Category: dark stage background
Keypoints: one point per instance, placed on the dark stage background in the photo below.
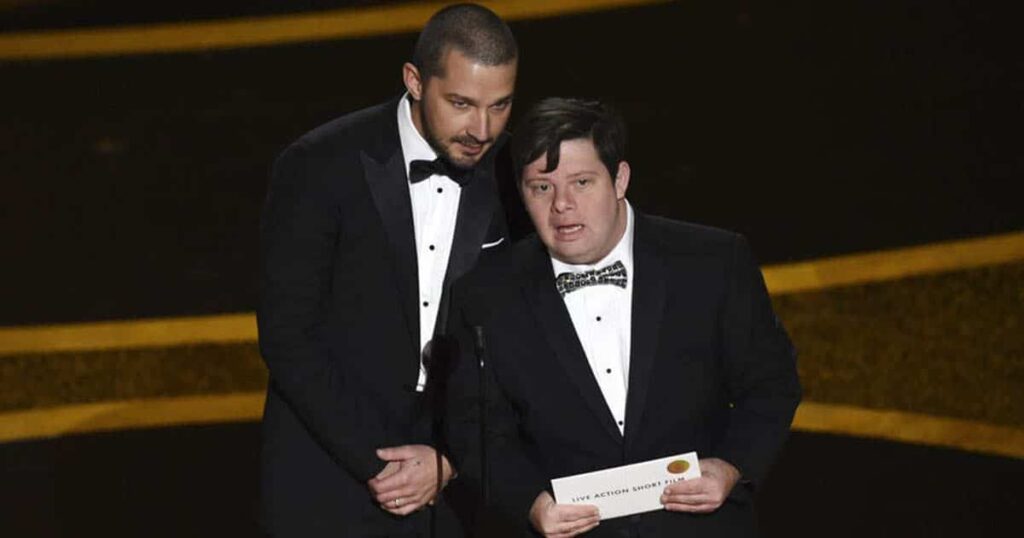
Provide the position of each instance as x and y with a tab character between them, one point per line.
132	188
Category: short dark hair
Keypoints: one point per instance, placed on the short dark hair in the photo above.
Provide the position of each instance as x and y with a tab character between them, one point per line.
474	30
557	119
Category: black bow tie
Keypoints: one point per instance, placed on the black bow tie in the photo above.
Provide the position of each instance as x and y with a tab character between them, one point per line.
420	170
614	274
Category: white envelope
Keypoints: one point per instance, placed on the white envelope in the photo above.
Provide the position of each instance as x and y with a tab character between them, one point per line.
629	489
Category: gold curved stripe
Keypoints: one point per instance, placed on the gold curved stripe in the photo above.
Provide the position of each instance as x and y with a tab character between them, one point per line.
894	264
781	279
898	426
904	427
130	414
164	332
264	31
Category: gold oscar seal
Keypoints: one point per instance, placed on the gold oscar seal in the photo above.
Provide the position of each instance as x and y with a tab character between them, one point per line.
678	466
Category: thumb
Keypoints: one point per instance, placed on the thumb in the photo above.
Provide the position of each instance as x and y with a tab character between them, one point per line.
395	453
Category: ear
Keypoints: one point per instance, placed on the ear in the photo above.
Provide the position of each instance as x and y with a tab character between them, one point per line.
621	180
413	82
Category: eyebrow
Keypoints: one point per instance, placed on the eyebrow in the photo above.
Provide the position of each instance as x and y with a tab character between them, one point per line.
503	100
470	100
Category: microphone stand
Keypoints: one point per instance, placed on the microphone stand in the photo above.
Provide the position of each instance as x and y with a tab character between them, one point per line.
483	524
481	356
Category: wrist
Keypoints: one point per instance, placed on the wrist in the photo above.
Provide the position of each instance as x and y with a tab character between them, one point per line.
448	471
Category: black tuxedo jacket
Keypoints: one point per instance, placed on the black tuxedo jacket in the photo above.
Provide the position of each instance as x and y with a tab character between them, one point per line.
711	370
339	321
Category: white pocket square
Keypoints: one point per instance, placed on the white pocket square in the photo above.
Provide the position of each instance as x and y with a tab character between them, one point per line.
491	245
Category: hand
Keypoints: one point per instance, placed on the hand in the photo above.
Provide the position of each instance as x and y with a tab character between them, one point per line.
409	480
562	520
704	494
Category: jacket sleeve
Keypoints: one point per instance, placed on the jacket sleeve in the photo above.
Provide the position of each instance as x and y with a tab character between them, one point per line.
299	229
760	367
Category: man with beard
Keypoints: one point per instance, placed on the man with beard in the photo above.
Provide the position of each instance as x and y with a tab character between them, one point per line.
367	220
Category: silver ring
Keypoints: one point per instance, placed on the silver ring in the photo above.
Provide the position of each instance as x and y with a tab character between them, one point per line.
397	502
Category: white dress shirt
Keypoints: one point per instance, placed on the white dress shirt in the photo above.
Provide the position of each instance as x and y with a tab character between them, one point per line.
435	207
602	316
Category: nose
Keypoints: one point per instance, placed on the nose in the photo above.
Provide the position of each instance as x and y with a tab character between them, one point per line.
564	201
480	126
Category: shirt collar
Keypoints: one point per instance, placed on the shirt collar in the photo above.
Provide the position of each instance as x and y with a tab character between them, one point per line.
414	146
623	252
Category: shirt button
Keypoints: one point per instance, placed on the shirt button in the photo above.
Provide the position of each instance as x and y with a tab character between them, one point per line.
439	190
598	318
608	371
425	303
620	423
431	247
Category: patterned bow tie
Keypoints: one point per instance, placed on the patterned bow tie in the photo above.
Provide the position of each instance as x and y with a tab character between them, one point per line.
614	274
420	170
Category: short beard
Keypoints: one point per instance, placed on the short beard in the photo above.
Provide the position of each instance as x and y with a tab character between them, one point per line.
439	148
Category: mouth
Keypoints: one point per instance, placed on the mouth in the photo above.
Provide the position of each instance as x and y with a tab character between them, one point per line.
568	232
470	146
471	149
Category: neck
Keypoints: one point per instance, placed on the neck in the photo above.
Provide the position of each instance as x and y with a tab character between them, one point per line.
416	112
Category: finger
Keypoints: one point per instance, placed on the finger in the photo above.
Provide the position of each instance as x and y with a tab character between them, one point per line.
576	527
385	486
560	534
401	479
406	509
403	495
691	500
387	471
415	488
410	489
417	498
695	485
401	512
570	525
702	508
573	512
399	490
396	453
589	527
575	523
390	490
422	481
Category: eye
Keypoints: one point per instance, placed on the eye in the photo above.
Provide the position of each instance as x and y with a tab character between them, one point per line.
540	188
583	181
459	104
502	106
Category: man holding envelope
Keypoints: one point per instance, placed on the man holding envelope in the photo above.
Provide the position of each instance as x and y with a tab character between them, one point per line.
610	339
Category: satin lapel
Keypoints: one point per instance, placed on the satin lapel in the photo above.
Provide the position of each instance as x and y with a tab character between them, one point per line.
649	282
476	206
388	185
557	327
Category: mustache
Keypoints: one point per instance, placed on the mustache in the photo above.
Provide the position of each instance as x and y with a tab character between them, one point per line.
469	140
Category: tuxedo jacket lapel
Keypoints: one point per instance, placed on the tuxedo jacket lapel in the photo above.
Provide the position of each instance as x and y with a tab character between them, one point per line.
384	167
556	325
476	207
649	288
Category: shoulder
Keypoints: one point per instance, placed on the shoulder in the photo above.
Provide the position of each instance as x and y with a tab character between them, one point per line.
687	238
346	135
